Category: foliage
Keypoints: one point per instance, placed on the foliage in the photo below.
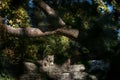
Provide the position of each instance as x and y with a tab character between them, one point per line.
6	78
95	20
16	15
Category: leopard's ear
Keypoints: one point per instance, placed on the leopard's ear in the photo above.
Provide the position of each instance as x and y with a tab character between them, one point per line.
67	63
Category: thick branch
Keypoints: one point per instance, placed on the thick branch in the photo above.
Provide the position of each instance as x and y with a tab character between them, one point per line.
30	32
54	18
36	32
71	33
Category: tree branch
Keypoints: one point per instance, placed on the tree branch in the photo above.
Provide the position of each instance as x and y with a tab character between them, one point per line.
50	13
71	33
36	32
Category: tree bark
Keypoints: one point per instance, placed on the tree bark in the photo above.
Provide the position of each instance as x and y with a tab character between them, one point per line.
50	13
36	32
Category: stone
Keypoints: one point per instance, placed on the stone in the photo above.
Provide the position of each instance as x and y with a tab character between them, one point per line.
65	76
74	68
29	67
79	75
47	68
31	76
93	77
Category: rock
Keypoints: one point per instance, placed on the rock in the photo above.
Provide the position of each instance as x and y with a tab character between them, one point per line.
29	67
65	76
79	75
74	68
31	76
98	68
64	72
98	65
47	68
92	77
